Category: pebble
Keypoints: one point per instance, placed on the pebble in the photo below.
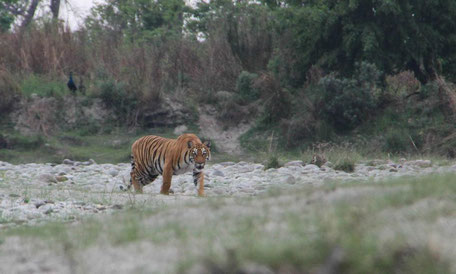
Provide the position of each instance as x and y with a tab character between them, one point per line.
61	178
19	205
420	163
217	172
311	168
294	163
48	178
68	162
113	172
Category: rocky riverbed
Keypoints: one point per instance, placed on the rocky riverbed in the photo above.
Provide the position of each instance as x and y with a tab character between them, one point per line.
36	193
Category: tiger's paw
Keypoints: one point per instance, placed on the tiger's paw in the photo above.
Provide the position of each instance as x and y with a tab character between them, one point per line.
170	191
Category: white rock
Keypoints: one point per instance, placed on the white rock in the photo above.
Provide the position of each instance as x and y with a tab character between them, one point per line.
217	172
47	178
294	163
179	130
311	167
419	163
68	162
289	180
113	172
227	164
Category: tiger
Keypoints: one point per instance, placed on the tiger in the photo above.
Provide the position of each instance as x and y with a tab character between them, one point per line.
154	155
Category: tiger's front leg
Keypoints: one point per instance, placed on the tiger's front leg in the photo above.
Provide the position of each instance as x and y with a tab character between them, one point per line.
167	175
198	177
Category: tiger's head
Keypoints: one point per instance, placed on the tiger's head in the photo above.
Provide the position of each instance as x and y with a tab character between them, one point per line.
199	153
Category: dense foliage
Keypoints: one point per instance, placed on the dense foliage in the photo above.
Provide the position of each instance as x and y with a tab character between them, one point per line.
308	71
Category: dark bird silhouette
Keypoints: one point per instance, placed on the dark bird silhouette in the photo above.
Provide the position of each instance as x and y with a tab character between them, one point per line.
71	84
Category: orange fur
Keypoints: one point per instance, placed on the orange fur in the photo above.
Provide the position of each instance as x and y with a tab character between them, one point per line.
154	155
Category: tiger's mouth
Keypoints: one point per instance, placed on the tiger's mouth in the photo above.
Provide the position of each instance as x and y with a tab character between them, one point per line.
199	166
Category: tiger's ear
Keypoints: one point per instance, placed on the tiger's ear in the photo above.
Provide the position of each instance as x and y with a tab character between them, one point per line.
207	143
190	144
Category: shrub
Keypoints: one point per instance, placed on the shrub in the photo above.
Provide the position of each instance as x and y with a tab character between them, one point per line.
277	101
43	86
20	142
401	85
116	97
397	141
345	164
346	103
272	162
9	91
244	87
231	113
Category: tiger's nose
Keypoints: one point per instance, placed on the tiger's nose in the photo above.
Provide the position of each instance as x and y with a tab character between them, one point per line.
199	165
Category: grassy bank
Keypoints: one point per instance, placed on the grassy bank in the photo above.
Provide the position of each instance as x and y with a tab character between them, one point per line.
403	225
114	147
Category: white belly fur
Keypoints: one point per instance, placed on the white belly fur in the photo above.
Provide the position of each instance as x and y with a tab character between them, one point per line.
184	169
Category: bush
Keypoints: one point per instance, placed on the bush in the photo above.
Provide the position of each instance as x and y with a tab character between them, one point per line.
244	87
401	85
43	86
115	96
277	101
272	162
9	91
345	164
231	113
349	102
397	141
20	142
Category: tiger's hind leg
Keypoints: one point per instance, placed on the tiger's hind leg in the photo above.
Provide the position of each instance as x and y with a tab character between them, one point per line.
135	179
136	182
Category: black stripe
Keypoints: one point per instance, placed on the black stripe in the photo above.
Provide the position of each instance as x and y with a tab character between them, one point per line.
196	175
185	157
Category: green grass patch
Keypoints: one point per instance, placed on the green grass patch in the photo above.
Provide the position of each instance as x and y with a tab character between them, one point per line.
306	230
114	147
43	86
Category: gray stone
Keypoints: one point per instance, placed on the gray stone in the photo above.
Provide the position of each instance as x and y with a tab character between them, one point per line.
419	163
113	172
294	163
61	178
217	172
225	164
179	130
38	204
328	164
68	162
47	178
47	208
289	180
117	206
311	167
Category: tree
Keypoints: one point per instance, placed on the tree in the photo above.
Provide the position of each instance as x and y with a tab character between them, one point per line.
243	25
12	9
139	19
7	14
415	35
55	8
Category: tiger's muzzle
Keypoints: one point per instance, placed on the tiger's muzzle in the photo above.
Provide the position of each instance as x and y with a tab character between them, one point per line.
199	165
